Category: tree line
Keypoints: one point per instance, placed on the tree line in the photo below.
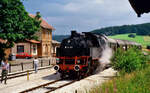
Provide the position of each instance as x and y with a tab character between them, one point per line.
140	29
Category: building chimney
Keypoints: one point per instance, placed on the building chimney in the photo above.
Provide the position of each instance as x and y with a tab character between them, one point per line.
38	16
37	13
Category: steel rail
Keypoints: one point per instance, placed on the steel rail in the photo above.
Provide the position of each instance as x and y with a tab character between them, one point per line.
55	88
40	86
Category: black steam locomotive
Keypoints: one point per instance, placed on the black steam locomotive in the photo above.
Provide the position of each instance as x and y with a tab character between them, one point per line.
78	55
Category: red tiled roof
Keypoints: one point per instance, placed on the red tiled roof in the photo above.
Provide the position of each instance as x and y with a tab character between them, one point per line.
33	41
3	41
44	24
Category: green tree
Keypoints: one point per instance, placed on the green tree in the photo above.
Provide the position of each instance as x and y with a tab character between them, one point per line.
15	24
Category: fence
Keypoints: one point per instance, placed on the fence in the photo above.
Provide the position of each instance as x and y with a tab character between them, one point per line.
30	65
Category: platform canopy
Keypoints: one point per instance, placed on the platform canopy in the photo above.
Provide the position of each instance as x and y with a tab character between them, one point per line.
140	6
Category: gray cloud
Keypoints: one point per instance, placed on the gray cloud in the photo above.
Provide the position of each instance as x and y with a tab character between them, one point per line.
85	15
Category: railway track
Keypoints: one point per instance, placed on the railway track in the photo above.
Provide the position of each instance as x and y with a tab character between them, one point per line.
23	73
49	87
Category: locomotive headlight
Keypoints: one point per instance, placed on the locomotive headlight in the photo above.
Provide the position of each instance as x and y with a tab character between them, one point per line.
76	67
57	60
56	67
78	61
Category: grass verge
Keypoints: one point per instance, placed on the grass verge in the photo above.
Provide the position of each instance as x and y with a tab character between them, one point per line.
135	82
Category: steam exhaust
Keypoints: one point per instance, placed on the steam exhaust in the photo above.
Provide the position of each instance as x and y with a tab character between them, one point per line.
104	60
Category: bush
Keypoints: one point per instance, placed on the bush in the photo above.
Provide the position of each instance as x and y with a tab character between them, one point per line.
131	35
129	60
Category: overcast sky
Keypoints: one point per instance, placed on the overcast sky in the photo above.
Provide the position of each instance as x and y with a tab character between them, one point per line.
84	15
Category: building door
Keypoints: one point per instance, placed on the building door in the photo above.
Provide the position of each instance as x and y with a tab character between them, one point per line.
34	49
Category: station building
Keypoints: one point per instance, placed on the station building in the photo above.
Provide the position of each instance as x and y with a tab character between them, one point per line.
40	48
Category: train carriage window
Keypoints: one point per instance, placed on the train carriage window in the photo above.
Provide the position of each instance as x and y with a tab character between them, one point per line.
113	46
118	45
126	47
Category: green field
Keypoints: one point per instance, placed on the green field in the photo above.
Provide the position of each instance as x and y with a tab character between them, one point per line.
144	40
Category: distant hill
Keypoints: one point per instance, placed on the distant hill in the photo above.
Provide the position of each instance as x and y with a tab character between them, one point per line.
140	29
60	37
144	40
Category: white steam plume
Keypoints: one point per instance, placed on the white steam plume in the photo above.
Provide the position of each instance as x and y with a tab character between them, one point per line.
104	60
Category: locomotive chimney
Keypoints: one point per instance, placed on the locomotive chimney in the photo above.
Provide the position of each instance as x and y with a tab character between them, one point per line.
73	33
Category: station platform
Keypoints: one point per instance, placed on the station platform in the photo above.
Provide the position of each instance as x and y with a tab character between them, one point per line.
19	84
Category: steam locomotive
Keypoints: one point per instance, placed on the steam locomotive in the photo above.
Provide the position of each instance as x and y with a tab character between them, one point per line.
78	56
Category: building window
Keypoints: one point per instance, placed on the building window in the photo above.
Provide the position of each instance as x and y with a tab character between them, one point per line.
34	49
44	34
47	34
20	48
46	50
